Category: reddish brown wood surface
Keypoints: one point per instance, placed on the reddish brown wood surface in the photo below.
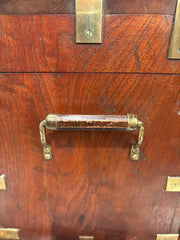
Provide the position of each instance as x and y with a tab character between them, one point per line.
131	43
140	6
116	122
37	6
67	6
90	187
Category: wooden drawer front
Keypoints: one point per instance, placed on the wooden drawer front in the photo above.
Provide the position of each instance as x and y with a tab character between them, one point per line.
131	43
66	7
90	187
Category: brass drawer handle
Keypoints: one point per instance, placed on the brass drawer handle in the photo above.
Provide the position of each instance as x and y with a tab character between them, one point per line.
127	122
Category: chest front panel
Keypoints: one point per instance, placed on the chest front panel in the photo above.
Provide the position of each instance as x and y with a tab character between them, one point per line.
90	187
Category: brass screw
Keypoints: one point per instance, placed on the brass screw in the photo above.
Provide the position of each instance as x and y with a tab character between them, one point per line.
89	33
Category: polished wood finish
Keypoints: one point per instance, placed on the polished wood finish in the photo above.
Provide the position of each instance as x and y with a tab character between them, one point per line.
67	6
92	121
140	6
36	6
90	187
132	43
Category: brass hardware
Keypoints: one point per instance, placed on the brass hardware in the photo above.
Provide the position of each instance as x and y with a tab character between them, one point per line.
89	21
2	182
127	122
132	121
173	184
47	152
174	50
135	149
9	233
167	236
86	238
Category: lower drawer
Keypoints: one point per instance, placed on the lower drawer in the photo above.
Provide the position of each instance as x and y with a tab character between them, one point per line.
90	187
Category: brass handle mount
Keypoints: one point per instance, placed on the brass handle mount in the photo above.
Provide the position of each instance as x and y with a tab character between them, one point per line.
127	122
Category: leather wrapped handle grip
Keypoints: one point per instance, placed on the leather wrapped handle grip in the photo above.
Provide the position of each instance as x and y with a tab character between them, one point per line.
127	122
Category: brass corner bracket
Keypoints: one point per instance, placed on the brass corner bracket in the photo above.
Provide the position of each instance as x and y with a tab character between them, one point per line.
173	184
86	237
127	122
9	233
2	182
167	236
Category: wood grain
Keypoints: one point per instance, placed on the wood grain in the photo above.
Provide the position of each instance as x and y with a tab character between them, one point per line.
132	43
67	7
140	6
114	122
90	187
36	6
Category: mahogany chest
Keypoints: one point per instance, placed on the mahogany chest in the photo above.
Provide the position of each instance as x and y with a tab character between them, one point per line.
90	187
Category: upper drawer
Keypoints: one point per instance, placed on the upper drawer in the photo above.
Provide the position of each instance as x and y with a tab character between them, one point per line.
67	6
46	43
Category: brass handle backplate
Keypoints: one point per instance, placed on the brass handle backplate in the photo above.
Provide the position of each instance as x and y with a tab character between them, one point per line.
127	122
